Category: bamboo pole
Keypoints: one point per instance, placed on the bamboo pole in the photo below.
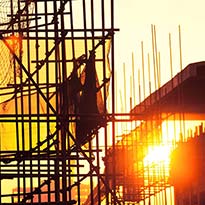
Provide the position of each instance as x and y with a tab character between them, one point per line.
149	74
171	73
133	75
170	55
156	56
125	93
153	56
143	74
139	86
159	69
133	84
131	92
181	90
180	47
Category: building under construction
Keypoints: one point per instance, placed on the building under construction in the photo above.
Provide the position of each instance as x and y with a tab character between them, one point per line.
58	136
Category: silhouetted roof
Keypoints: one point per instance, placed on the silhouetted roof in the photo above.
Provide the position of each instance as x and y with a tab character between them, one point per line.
183	93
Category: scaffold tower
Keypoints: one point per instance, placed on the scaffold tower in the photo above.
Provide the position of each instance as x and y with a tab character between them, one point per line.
54	77
59	141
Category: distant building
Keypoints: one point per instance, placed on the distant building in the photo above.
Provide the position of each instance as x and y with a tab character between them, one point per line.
188	172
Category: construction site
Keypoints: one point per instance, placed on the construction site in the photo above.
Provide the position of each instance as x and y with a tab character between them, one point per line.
59	126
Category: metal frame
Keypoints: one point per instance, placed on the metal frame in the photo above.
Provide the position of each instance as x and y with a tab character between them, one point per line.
47	163
53	164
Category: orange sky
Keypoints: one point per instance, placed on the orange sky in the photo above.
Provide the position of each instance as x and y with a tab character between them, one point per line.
134	18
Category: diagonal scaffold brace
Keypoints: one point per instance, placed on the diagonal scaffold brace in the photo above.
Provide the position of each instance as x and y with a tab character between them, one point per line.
55	112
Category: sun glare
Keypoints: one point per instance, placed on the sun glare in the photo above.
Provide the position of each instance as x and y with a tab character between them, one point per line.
158	154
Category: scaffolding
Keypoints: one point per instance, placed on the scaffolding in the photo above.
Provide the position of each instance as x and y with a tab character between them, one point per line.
54	85
58	134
